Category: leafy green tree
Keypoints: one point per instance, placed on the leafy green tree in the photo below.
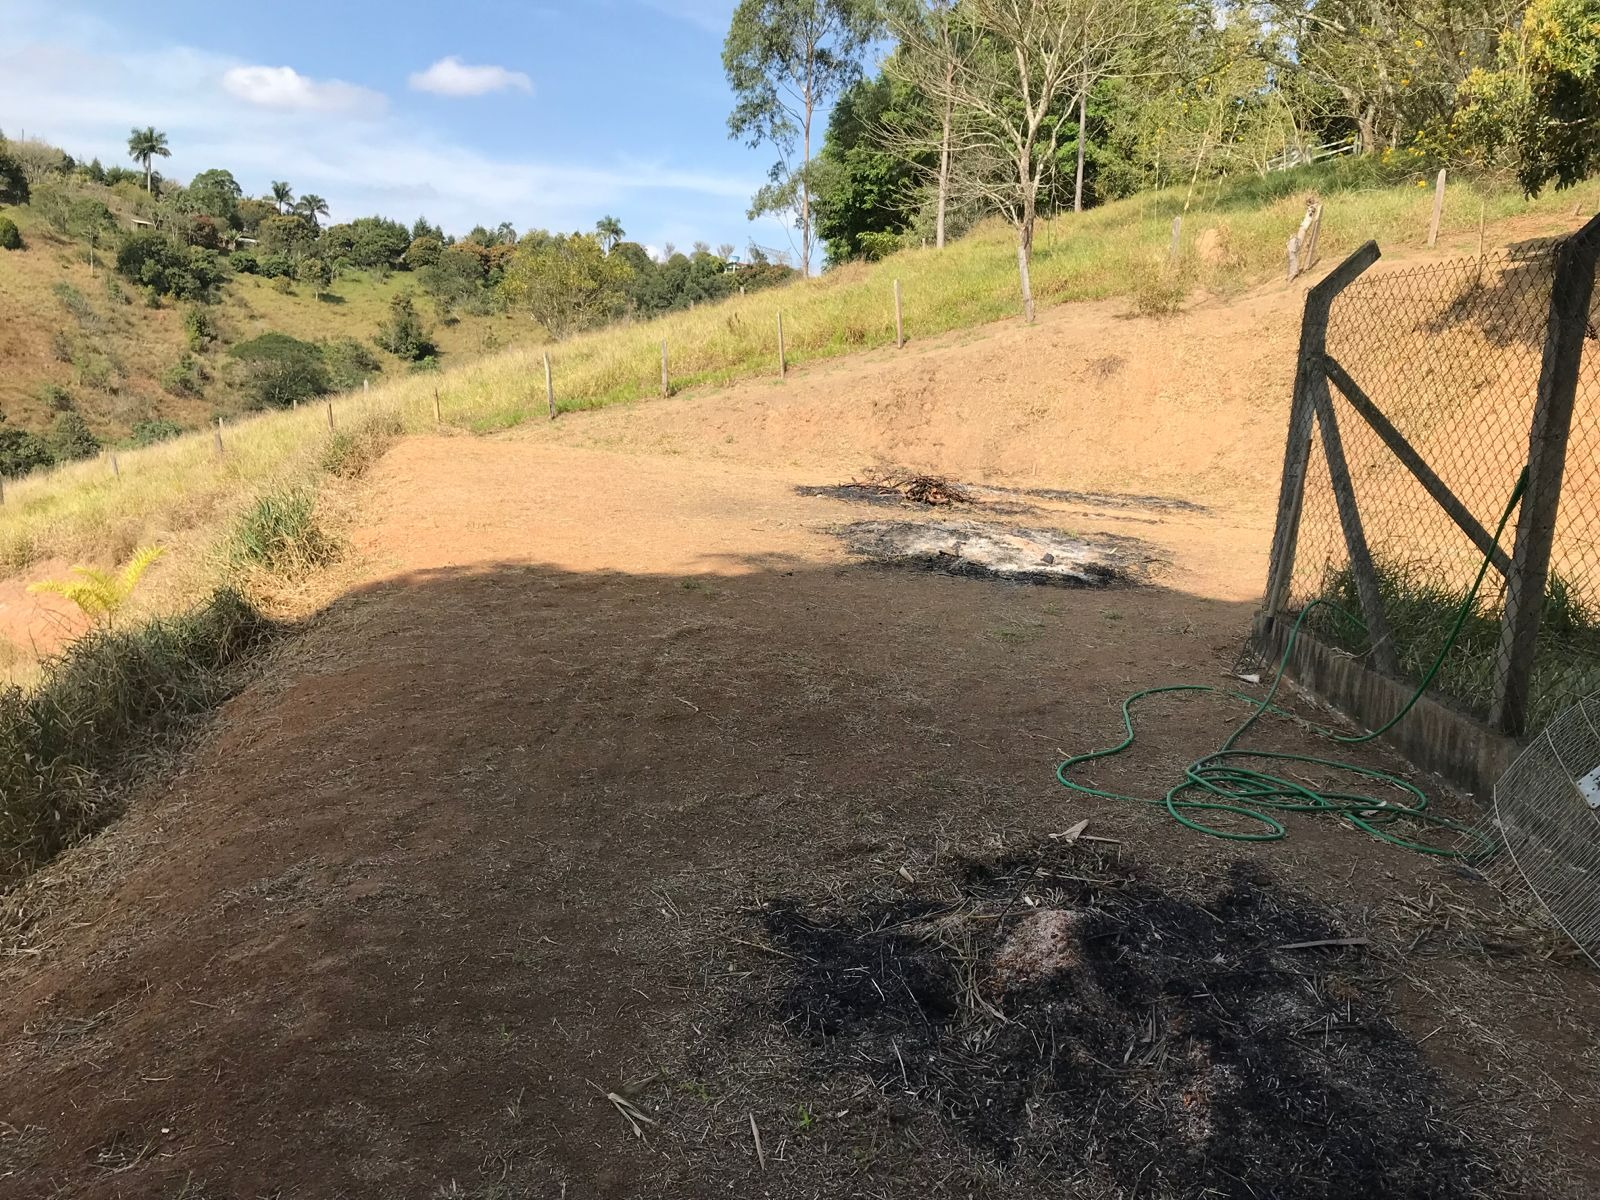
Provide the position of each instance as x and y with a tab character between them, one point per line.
316	273
10	236
14	187
786	60
252	212
421	228
423	252
144	147
402	332
282	194
1540	105
275	370
216	193
311	206
609	231
367	242
22	452
866	185
291	236
566	283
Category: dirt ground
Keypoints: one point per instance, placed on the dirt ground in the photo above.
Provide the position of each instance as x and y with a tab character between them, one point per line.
502	833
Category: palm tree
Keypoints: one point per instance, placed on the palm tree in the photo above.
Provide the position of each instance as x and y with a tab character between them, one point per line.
282	194
143	146
311	206
609	230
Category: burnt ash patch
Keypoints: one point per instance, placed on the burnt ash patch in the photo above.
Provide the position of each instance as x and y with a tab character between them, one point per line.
1065	1014
1103	499
1010	553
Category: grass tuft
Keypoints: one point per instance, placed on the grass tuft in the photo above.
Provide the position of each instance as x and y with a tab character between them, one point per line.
63	741
280	535
350	452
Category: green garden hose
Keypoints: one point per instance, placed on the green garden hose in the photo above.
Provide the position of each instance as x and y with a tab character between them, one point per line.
1218	783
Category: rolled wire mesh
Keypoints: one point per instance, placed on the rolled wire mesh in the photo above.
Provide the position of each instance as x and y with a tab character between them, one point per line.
1541	843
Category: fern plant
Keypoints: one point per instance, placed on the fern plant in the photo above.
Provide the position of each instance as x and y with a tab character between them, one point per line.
99	593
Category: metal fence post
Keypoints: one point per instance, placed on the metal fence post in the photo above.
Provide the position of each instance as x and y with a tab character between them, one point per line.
1309	375
1547	460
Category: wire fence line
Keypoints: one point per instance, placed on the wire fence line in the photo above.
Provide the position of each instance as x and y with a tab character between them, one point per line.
1422	394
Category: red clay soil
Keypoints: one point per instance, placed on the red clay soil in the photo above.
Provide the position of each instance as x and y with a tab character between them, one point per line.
482	845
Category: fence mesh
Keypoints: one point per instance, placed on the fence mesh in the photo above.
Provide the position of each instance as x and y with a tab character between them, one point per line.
1451	354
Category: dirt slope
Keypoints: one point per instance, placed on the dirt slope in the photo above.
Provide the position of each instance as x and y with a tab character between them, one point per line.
488	841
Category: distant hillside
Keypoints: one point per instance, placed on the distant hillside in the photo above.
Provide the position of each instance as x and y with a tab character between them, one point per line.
77	337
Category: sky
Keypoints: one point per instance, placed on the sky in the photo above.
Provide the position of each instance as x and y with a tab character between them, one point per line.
546	115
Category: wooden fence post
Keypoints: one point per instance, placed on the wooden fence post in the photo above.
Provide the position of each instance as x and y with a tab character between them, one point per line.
666	387
1547	461
549	387
116	471
1309	376
899	320
783	365
1438	207
217	435
2	489
330	416
438	419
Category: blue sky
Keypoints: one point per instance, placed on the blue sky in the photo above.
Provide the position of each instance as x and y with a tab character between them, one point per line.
542	114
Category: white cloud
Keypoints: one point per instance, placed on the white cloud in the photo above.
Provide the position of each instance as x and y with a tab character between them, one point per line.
452	77
83	82
285	88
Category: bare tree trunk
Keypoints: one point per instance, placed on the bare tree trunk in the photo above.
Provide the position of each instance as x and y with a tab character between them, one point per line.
1023	254
944	154
1083	133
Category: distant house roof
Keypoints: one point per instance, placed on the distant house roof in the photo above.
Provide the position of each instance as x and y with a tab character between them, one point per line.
141	221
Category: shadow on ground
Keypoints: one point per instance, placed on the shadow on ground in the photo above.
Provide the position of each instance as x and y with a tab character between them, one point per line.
486	845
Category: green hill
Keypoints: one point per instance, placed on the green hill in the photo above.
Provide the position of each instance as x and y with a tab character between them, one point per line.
75	335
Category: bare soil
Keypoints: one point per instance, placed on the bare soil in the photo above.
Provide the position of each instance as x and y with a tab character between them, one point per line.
505	831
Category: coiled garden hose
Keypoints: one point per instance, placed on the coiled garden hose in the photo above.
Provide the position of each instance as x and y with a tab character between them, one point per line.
1219	783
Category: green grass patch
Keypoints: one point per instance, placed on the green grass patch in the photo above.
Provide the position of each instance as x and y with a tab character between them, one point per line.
66	741
1421	610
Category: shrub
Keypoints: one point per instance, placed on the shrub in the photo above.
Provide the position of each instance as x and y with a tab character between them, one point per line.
244	262
10	235
21	452
186	377
402	332
348	362
280	535
283	285
199	330
75	303
274	266
278	370
55	397
95	703
61	348
13	180
148	433
351	451
71	438
1160	289
167	269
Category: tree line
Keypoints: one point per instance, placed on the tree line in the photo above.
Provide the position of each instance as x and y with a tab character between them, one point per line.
187	239
1023	108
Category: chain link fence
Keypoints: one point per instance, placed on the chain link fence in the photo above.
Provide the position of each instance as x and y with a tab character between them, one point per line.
1451	355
